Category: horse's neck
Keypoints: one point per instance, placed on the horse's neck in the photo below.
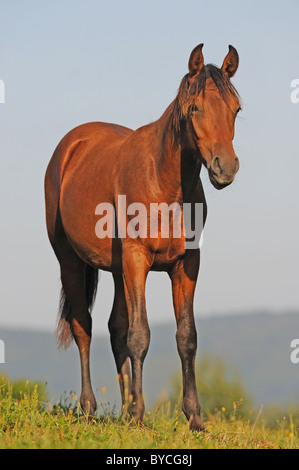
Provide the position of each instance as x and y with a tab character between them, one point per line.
178	166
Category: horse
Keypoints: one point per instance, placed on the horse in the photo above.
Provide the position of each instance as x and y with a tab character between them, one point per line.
157	163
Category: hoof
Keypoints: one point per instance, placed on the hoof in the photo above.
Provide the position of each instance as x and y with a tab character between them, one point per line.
196	424
136	413
135	419
88	405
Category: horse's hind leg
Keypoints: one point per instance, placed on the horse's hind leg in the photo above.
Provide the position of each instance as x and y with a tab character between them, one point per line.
76	319
118	327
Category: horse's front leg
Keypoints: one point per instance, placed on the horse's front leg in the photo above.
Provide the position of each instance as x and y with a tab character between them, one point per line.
184	277
136	265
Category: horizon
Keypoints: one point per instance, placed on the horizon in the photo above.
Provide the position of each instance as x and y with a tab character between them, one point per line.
197	316
267	370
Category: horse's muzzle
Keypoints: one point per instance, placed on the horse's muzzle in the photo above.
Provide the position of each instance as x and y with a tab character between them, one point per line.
222	175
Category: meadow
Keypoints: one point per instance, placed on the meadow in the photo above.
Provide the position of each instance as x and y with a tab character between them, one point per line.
28	422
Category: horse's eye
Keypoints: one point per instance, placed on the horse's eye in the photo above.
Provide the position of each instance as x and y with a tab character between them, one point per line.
194	108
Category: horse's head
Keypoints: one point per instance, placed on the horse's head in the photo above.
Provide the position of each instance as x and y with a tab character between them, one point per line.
208	104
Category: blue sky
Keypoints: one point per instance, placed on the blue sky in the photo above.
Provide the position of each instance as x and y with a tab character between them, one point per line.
73	61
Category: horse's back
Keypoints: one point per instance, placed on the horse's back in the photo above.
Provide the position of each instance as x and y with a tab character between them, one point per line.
89	135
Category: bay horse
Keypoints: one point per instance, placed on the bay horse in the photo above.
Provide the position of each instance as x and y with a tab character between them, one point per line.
159	162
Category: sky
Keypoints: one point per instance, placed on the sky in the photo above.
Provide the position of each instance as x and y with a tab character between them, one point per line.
67	62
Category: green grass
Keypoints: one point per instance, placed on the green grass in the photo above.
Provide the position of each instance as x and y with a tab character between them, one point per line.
27	422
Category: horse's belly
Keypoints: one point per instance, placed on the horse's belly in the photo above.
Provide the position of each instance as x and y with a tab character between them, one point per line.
79	222
104	254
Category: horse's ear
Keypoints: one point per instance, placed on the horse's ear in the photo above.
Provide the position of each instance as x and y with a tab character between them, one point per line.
231	62
196	61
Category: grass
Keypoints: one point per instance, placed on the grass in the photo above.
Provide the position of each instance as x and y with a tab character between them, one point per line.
26	422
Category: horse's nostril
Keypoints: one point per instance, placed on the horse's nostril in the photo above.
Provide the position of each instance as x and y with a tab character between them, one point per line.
216	167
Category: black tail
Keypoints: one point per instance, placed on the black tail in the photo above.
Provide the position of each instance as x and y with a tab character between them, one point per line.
63	330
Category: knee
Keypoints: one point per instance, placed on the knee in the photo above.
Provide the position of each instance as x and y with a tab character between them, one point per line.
138	340
186	338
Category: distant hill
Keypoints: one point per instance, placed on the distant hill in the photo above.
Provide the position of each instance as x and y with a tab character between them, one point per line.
256	345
